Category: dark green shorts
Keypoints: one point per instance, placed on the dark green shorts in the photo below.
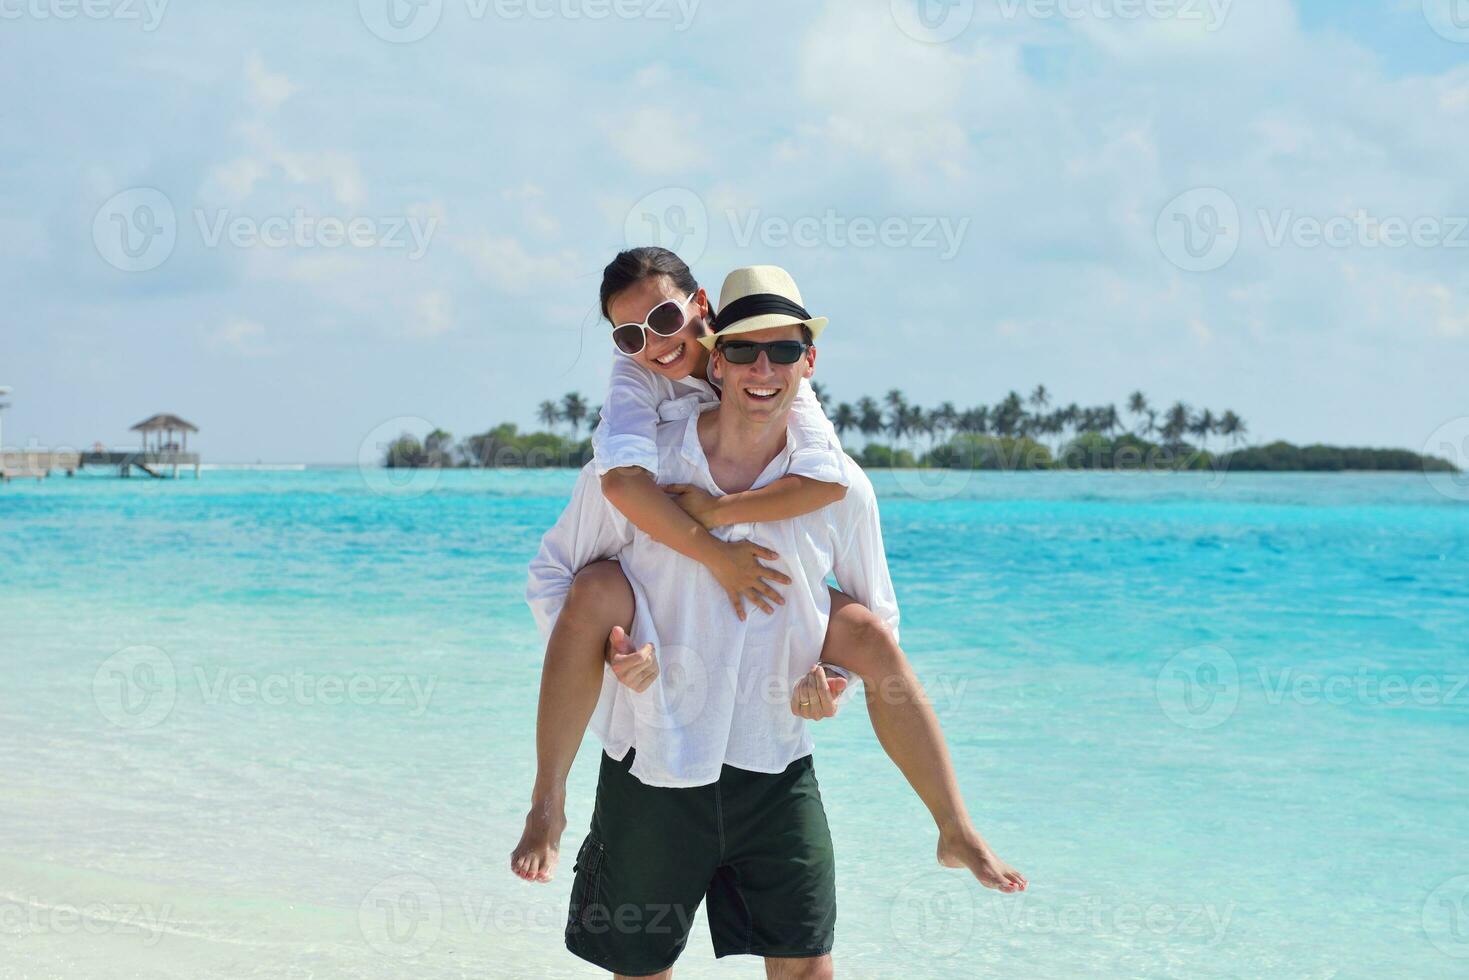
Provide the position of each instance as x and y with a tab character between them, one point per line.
754	845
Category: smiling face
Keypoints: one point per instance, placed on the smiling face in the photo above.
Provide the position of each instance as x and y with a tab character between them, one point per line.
674	357
762	391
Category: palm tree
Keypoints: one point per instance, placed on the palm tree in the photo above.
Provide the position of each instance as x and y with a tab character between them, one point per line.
869	418
1175	423
944	419
1108	420
548	413
1232	427
1203	426
1137	407
1008	417
573	410
594	418
819	390
844	419
898	414
975	421
1039	399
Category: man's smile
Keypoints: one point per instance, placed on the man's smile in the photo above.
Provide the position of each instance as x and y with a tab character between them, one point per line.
762	394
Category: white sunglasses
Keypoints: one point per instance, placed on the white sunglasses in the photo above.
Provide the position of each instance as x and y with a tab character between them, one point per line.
665	320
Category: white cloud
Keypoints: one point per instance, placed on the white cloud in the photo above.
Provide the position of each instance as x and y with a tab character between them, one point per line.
659	142
240	337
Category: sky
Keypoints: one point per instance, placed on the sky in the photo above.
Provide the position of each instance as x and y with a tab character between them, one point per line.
309	226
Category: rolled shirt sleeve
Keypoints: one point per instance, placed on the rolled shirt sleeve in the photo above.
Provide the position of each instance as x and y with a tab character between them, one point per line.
816	450
626	433
589	529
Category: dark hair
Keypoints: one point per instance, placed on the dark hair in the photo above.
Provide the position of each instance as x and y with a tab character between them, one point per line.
636	264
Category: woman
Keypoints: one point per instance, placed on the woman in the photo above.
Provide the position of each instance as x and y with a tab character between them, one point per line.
659	312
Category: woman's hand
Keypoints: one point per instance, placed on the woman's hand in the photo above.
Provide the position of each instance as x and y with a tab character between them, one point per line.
696	502
743	577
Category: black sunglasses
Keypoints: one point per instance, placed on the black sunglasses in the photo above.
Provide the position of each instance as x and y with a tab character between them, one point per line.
779	351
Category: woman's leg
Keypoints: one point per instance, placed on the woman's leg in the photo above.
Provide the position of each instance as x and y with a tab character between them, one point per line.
909	732
571	682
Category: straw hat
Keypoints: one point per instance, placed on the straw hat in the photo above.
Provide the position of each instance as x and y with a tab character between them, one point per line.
759	297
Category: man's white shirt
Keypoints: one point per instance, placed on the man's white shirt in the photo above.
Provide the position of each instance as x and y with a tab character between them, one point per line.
723	691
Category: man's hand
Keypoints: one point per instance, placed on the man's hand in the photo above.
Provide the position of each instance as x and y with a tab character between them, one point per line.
815	695
636	669
696	502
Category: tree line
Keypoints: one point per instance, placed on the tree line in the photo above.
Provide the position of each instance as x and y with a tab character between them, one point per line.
1031	432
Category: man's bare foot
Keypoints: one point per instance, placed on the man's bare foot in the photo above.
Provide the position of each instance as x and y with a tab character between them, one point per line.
966	849
535	857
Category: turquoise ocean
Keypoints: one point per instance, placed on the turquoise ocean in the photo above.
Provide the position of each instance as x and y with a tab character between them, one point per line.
280	724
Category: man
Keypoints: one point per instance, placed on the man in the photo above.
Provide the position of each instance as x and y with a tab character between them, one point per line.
706	789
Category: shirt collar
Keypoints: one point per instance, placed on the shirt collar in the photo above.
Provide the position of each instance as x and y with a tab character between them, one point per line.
692	451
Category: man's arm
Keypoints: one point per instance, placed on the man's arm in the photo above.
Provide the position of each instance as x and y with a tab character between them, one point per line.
587	530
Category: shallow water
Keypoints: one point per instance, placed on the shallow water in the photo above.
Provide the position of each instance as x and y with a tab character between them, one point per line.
280	725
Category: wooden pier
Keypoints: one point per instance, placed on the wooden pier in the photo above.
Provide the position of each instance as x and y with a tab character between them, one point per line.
160	457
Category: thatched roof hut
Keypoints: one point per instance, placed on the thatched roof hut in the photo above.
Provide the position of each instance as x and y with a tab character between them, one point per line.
162	424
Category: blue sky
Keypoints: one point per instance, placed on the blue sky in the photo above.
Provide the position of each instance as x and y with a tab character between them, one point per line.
994	195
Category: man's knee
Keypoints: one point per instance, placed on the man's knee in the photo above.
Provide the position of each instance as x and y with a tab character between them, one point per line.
601	590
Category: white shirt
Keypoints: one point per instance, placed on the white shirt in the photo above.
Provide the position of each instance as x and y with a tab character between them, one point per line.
638	399
723	692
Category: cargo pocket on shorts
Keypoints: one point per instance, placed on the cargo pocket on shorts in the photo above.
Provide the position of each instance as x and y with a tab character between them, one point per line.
586	889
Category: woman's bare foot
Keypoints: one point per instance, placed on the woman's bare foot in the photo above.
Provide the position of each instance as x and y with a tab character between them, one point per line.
966	849
535	857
